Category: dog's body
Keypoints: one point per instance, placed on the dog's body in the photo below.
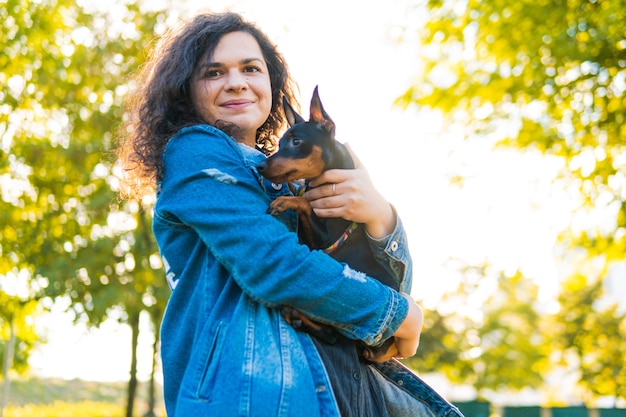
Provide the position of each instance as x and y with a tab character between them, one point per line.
306	150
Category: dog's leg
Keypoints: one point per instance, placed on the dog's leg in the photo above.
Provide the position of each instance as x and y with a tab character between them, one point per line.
301	322
298	204
305	214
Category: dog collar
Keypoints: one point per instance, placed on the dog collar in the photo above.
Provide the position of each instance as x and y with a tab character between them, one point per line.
344	236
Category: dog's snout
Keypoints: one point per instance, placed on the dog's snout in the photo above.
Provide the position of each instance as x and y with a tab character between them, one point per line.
261	166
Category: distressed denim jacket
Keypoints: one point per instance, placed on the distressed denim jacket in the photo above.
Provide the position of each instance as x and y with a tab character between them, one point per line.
226	349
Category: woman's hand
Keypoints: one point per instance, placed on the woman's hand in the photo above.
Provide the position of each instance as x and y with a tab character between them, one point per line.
349	193
407	337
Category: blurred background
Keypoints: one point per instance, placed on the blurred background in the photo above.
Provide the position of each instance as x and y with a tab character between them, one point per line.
495	128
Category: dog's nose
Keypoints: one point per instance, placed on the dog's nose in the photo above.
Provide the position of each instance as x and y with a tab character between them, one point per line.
261	166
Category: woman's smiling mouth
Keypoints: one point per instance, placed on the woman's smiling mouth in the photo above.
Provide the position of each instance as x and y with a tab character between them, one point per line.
236	104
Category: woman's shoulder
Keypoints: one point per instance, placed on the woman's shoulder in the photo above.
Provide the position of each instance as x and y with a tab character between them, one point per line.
199	132
198	140
194	145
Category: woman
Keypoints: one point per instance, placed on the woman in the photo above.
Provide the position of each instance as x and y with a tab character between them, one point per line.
205	113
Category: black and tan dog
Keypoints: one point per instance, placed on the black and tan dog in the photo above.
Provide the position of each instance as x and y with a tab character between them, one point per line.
306	150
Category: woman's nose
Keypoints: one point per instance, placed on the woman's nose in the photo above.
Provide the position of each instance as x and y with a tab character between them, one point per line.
236	81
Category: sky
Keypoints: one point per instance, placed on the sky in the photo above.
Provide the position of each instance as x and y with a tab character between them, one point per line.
508	212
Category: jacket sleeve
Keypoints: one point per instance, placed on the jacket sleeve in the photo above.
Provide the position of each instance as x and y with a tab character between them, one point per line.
207	187
392	252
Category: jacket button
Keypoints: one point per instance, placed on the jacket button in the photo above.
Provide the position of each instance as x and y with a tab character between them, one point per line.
277	186
394	246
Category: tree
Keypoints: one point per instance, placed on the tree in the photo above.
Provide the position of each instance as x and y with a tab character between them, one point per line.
547	77
63	71
510	337
590	333
17	329
488	324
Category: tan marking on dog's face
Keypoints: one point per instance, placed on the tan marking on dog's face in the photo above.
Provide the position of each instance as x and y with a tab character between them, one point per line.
280	169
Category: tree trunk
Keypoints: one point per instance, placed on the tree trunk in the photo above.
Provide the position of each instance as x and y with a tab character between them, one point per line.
155	352
7	364
132	382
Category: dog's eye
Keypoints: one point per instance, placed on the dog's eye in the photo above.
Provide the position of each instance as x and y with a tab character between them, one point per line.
296	141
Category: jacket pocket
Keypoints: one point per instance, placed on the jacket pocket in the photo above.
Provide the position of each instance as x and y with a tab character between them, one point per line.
209	361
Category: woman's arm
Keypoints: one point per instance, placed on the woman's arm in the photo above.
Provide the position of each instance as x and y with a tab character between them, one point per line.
207	187
355	198
351	194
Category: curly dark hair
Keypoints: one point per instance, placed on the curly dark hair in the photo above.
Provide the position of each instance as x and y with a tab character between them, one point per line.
161	103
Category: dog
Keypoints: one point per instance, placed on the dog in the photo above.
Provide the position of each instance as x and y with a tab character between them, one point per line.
305	151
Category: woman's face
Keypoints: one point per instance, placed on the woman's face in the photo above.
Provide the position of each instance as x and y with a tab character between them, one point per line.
233	86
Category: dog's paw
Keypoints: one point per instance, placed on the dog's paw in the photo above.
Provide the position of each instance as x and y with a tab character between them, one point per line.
278	206
374	353
301	322
291	316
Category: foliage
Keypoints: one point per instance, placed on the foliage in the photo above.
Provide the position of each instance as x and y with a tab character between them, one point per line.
592	328
20	315
62	88
510	338
489	323
63	69
547	76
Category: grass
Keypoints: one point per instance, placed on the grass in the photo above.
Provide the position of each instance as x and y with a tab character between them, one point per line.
43	397
63	409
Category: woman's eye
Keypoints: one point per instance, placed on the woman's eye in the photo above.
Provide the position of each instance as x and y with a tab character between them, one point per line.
212	73
252	68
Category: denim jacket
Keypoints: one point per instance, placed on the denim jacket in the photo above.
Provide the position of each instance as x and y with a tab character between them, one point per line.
226	349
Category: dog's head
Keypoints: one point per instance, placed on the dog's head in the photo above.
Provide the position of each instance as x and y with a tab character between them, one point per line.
317	115
305	149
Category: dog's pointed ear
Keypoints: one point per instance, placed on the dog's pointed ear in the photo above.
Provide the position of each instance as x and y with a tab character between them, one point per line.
319	116
290	113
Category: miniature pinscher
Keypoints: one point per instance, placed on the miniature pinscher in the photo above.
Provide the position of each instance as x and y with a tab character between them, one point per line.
306	150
